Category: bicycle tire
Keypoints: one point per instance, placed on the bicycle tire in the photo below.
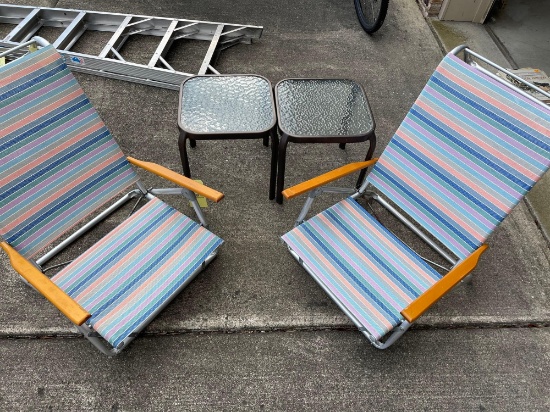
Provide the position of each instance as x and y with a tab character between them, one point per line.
371	13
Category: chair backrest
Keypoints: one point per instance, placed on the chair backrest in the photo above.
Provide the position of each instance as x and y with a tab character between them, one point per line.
467	152
58	161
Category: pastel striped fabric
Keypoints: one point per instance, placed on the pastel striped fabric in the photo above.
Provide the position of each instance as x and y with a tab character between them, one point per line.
367	269
465	155
58	161
136	269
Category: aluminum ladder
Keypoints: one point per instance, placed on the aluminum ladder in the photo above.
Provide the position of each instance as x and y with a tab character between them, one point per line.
28	20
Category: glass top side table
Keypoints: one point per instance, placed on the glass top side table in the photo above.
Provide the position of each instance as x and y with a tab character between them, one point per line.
214	107
321	111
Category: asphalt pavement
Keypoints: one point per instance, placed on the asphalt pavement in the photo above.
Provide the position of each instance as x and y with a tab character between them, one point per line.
254	331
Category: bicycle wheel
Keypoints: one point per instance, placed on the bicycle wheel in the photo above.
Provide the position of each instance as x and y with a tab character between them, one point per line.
371	13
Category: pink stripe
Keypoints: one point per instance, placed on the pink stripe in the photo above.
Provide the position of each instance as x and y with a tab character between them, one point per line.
64	189
98	251
387	244
462	177
360	256
444	236
35	95
304	241
515	145
53	134
146	289
52	152
488	98
99	291
479	142
428	195
36	115
84	209
29	69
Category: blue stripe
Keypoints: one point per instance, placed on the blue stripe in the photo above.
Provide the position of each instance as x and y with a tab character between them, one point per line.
329	252
51	118
83	124
412	293
492	139
50	73
77	287
513	128
143	273
498	217
31	225
37	101
465	147
426	207
75	151
145	315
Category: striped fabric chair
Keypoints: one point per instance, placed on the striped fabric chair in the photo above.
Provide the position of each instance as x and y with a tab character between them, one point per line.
58	165
467	152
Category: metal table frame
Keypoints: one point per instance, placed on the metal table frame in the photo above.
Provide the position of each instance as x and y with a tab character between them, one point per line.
287	137
261	134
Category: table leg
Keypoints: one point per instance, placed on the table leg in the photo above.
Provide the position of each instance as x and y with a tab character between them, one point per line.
281	160
274	151
372	146
183	154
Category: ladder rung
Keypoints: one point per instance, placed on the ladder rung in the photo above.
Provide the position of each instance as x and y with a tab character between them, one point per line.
26	28
211	49
69	35
163	43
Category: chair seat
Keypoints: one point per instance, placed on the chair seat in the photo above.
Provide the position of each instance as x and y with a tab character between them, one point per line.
365	268
136	269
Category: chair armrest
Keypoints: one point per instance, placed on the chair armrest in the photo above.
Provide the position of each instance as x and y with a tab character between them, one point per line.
178	179
46	287
326	178
442	286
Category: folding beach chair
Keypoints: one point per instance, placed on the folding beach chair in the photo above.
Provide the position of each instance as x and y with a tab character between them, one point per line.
467	152
58	165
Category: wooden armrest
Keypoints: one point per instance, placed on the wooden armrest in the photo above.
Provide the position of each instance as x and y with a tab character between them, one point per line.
178	179
442	286
46	287
326	178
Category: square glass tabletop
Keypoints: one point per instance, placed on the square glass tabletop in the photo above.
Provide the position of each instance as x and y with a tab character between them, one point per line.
226	104
322	108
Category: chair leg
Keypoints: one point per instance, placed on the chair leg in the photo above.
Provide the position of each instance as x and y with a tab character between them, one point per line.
274	151
342	146
370	152
183	154
266	141
192	142
281	160
394	336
